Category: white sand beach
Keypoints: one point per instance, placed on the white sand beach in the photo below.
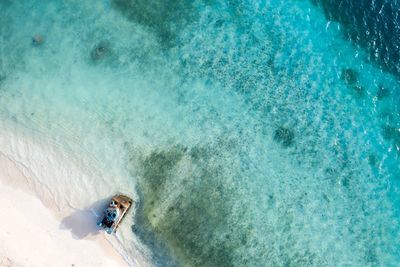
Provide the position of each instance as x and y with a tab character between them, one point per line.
32	236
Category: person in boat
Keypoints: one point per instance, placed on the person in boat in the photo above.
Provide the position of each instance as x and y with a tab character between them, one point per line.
115	212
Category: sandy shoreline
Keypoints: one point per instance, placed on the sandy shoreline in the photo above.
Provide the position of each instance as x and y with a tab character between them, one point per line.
32	236
40	229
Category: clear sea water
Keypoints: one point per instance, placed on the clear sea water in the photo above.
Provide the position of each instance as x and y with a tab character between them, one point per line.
251	133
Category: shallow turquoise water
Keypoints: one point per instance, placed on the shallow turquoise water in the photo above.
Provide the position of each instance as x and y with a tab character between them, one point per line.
255	134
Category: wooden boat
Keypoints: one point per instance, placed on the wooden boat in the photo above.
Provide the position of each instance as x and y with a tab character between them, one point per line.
115	212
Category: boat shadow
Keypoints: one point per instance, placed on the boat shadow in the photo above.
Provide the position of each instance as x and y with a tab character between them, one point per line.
83	223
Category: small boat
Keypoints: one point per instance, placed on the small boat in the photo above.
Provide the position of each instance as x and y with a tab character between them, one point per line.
115	212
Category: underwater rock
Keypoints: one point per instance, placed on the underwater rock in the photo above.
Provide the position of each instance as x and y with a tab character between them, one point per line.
284	136
349	76
37	40
100	51
219	23
382	92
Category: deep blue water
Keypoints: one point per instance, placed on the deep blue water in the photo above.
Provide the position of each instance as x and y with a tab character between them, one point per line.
255	133
372	24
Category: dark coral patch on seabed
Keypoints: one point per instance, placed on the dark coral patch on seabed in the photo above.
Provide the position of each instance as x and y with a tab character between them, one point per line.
164	18
194	224
351	79
349	76
284	136
100	51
